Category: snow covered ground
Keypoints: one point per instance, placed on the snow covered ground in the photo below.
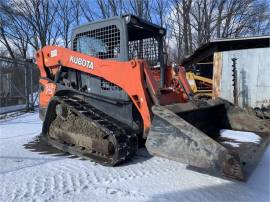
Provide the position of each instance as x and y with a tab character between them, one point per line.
30	173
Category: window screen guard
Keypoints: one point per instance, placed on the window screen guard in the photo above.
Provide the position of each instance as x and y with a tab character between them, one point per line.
102	43
146	49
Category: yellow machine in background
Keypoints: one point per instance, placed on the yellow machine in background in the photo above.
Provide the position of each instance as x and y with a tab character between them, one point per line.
200	86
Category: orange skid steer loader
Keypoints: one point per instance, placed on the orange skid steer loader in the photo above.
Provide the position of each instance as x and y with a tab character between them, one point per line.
114	88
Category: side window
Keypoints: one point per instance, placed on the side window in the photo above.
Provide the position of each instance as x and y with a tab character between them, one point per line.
102	43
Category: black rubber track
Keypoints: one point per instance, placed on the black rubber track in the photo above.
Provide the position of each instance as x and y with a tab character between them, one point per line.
125	141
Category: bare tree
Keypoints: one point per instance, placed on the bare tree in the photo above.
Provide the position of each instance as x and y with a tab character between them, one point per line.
67	18
31	24
203	17
14	32
242	18
40	14
105	9
87	11
160	11
140	8
175	28
220	8
4	40
196	22
260	23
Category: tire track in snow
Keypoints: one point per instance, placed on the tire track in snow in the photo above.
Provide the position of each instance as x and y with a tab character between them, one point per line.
69	178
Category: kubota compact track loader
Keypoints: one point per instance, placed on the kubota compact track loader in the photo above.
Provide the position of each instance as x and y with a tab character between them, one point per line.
114	88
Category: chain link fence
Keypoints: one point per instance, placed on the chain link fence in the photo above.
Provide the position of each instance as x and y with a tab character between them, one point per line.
18	85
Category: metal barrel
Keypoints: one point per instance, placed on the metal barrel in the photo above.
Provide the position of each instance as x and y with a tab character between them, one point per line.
193	137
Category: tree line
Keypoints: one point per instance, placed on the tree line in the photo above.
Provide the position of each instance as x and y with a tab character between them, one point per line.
27	25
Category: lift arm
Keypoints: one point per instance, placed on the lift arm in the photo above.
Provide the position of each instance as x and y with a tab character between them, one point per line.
128	75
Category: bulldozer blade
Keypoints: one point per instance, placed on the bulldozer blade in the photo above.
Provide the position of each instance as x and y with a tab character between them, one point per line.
180	137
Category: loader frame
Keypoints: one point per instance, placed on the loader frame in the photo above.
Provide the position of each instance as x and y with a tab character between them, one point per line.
51	58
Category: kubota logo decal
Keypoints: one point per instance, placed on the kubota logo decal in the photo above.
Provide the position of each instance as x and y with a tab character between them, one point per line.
82	62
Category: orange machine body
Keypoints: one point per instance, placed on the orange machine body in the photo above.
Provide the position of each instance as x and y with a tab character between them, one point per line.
131	76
